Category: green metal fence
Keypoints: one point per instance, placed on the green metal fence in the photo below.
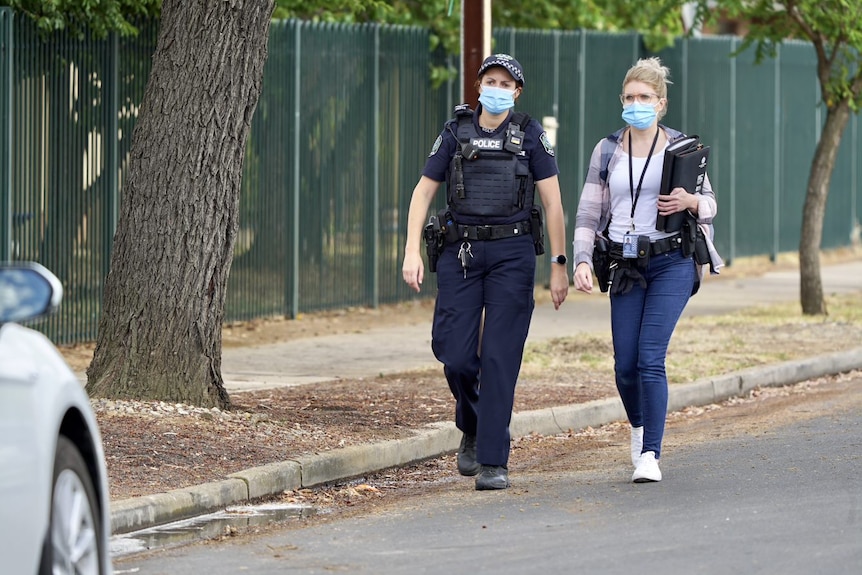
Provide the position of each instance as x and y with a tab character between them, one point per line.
73	108
762	122
343	126
6	65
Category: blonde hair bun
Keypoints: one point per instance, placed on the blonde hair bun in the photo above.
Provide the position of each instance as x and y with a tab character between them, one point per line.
650	71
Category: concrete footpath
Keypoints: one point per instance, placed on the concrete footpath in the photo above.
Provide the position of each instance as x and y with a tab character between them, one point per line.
407	348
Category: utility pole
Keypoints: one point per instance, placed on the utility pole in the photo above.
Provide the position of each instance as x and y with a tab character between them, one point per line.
475	45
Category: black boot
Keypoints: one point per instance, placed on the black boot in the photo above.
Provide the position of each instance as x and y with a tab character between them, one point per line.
467	464
492	477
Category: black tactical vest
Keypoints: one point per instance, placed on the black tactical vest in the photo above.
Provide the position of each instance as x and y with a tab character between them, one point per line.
486	176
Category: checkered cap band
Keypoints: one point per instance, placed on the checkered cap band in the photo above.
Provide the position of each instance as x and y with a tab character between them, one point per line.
505	61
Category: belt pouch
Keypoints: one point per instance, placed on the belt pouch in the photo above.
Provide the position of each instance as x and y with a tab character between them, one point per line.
643	251
701	250
602	262
688	232
537	229
448	227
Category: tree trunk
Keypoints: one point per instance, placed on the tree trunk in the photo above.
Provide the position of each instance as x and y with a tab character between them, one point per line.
160	330
811	285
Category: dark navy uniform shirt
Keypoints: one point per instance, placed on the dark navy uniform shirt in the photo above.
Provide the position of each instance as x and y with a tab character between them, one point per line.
537	152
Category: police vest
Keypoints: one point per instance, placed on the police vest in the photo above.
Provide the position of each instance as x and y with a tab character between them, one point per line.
486	176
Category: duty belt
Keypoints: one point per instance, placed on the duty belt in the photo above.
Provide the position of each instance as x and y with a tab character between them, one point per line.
656	247
495	232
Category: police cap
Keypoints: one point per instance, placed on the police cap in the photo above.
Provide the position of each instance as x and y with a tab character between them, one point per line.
504	61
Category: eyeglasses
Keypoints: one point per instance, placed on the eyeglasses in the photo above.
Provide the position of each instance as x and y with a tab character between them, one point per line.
628	99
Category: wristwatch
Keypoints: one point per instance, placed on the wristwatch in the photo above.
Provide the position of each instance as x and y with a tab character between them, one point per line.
558	259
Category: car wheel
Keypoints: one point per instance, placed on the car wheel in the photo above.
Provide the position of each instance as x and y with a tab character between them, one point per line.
74	546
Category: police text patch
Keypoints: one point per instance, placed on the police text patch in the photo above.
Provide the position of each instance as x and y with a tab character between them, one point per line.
487	143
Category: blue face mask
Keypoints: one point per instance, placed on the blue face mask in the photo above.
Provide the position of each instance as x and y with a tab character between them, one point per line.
496	100
640	116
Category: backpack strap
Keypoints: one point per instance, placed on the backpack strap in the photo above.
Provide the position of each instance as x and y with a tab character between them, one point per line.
609	145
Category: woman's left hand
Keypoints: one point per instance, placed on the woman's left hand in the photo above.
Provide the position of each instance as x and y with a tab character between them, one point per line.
677	201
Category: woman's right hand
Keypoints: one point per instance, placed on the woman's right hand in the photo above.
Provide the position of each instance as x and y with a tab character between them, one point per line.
413	270
583	278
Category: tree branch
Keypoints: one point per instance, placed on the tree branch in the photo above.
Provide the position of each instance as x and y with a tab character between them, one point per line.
856	86
824	62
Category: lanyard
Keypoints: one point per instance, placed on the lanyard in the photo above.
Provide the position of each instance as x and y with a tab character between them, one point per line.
636	195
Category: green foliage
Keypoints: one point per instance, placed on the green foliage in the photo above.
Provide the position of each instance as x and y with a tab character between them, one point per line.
347	11
658	27
834	28
443	17
98	16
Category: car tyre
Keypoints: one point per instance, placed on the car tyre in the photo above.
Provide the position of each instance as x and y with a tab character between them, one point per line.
74	545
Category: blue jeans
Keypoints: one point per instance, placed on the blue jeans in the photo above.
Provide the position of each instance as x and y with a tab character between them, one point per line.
498	284
642	322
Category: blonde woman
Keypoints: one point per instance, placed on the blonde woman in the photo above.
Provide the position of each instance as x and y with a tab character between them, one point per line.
653	277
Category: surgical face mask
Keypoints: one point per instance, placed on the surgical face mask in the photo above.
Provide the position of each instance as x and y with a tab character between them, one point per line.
640	116
496	100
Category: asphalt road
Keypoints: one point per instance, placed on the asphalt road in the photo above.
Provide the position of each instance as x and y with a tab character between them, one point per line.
752	490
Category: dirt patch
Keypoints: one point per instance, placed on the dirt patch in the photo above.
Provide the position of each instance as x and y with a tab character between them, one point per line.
155	446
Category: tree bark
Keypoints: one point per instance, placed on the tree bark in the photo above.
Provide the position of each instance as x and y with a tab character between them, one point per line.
160	330
814	210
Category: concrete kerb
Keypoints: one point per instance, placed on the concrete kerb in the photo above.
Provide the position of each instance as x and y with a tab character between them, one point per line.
308	471
434	440
553	420
151	510
742	382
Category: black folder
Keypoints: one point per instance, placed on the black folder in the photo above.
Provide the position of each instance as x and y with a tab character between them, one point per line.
684	167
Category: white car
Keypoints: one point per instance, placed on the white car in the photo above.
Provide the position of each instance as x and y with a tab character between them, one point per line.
54	505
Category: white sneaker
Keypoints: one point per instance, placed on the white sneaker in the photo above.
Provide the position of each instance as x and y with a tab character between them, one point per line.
637	444
647	469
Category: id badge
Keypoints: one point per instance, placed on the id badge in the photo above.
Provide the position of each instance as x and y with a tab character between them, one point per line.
630	246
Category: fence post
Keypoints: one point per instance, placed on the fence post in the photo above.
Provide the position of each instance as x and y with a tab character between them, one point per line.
776	165
293	286
375	200
582	105
733	103
854	180
6	86
684	103
112	152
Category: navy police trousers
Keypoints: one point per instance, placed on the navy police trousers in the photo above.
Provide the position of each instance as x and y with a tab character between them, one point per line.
498	282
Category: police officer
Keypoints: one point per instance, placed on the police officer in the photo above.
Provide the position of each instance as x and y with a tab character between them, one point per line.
493	160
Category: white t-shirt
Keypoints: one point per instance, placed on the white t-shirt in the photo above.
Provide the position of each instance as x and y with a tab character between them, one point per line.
647	204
